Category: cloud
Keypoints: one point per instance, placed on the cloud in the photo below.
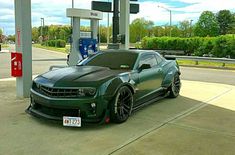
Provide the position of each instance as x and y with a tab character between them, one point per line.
190	10
54	11
202	5
150	11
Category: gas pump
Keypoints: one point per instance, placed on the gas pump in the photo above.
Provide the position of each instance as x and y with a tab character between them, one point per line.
83	45
87	47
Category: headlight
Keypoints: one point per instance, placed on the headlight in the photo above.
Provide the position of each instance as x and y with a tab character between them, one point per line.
35	85
86	91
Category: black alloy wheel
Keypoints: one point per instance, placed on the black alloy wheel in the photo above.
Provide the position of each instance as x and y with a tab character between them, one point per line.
175	86
122	104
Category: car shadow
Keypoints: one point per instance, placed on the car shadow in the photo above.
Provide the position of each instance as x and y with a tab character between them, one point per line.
156	112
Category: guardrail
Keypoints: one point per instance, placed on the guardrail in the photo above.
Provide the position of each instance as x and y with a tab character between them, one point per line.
197	59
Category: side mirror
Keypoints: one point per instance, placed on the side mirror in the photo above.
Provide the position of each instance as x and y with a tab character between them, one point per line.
144	66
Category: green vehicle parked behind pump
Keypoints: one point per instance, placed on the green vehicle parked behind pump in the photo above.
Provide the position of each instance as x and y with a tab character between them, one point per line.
107	86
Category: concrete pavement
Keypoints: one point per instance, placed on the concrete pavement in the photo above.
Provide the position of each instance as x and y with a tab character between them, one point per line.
206	129
200	121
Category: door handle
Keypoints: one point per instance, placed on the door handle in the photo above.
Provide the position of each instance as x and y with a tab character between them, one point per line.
159	70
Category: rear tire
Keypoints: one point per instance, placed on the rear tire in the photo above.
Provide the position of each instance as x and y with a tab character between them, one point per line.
175	86
121	105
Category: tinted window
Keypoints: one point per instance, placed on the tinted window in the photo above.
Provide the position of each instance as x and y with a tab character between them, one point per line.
148	59
114	60
159	59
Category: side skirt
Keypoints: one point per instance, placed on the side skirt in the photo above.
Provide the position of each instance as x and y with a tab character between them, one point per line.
150	101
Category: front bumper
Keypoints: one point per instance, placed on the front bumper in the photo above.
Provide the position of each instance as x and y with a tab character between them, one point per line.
55	108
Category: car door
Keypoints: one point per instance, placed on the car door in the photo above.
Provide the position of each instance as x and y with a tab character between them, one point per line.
149	80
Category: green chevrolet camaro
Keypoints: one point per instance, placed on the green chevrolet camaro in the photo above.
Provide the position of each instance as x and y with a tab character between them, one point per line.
105	87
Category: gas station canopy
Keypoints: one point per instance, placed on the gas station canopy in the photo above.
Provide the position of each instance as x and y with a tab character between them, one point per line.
84	14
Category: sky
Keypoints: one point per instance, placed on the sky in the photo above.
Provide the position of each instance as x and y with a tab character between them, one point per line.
54	11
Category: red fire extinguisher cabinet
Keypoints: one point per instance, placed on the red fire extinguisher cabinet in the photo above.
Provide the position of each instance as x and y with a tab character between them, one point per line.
16	64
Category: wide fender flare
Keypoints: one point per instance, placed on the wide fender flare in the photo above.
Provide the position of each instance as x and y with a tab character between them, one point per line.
115	84
169	76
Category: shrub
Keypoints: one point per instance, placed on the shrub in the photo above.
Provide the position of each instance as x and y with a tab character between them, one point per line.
60	43
55	43
221	46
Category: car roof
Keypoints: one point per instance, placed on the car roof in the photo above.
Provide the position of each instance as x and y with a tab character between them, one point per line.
129	51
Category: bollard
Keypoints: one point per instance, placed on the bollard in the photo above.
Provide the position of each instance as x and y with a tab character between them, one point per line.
0	47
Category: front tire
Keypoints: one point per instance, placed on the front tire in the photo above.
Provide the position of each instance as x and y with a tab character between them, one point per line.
175	86
121	105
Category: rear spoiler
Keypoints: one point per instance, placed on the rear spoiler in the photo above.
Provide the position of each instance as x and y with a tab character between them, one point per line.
170	54
169	57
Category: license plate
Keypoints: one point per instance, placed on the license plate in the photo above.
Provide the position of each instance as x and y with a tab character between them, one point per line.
72	121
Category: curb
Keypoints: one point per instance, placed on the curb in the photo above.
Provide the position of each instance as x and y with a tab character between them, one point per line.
4	51
208	67
13	79
57	52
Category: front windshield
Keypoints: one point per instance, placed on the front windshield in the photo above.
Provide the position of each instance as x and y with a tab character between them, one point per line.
114	60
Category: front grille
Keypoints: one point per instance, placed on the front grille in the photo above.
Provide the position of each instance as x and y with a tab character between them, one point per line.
59	92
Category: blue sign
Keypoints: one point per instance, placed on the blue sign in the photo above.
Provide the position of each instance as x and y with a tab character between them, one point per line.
87	46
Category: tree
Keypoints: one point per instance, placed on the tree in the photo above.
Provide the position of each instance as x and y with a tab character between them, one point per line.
103	34
207	25
149	27
175	31
140	28
225	20
158	31
1	35
232	25
11	38
52	32
185	28
35	34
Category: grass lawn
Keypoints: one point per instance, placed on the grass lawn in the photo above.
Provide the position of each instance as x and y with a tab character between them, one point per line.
64	50
205	64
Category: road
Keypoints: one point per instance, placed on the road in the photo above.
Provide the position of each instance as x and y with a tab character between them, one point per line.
43	59
208	75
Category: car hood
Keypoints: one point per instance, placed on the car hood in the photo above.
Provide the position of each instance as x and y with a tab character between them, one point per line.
77	76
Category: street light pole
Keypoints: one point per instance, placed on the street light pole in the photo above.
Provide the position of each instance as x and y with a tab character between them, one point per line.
170	22
170	16
42	25
191	27
115	20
